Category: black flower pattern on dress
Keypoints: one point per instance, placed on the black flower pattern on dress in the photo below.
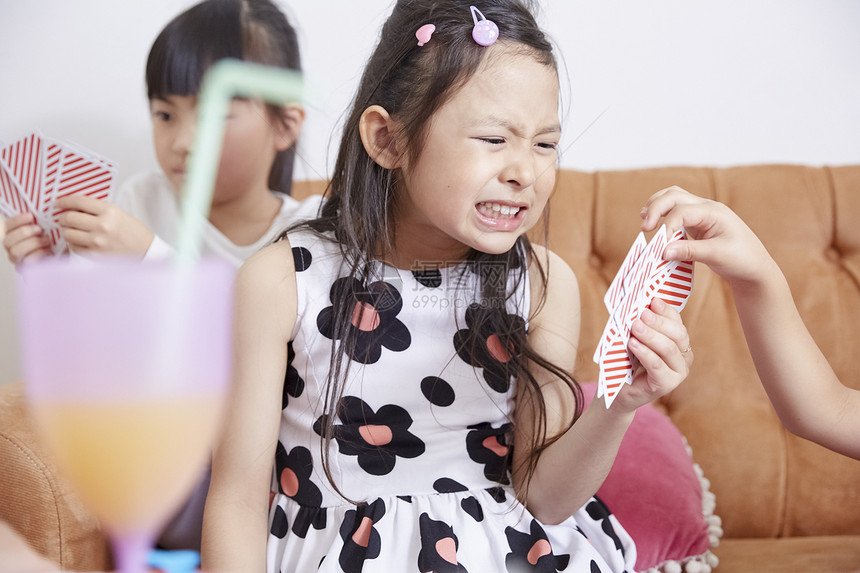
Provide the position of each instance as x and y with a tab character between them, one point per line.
377	438
488	446
361	541
532	551
294	385
294	480
598	511
373	319
494	353
439	546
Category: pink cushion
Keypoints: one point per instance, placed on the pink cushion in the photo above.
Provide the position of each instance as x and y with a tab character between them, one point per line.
654	491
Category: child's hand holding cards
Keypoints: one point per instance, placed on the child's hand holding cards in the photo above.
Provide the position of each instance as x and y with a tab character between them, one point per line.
642	276
35	171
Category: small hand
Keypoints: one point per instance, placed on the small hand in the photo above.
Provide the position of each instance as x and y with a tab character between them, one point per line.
25	240
659	340
94	226
717	236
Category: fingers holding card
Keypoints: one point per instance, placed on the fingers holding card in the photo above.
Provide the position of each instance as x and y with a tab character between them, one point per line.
35	171
643	276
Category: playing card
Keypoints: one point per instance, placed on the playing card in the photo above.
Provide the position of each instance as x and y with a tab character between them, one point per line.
640	274
80	174
616	368
675	289
50	167
616	287
11	200
23	160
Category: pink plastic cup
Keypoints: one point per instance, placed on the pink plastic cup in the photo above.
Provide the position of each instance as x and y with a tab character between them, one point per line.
126	365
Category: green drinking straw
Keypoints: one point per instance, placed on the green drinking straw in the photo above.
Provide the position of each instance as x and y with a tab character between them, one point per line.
225	80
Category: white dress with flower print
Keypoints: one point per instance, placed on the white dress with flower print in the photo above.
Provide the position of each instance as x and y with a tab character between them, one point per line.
420	439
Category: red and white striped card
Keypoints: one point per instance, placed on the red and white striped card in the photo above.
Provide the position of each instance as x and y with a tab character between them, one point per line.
12	201
616	288
23	160
80	173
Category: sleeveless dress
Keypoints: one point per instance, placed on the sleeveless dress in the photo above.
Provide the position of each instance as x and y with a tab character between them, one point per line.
420	438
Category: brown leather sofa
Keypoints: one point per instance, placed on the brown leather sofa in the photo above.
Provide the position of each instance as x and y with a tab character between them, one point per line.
786	505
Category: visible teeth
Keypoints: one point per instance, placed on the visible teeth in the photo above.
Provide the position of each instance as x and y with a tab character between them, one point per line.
497	210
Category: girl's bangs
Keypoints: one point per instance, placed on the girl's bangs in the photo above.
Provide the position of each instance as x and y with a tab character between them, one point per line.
188	46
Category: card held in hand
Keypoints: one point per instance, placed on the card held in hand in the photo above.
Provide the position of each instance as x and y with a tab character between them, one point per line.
35	171
643	276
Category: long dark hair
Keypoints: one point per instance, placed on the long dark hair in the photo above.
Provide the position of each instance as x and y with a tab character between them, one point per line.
411	83
252	30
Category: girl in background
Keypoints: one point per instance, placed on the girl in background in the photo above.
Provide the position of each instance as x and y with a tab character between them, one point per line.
251	201
403	388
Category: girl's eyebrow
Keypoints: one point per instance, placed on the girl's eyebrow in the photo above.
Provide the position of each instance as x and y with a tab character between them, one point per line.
519	131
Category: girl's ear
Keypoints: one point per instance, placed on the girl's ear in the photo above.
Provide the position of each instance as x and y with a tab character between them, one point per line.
377	130
288	125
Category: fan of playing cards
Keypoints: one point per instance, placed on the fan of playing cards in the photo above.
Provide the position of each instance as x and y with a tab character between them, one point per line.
36	171
643	275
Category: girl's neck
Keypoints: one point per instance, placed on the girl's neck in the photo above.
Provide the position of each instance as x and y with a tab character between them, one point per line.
414	249
244	218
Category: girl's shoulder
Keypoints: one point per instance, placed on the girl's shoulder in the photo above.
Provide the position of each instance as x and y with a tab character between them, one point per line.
267	280
316	255
305	237
268	267
265	293
547	268
553	285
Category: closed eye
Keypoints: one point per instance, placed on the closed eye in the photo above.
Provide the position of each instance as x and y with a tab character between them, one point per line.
549	146
492	140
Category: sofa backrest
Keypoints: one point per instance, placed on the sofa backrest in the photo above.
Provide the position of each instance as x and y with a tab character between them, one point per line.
768	482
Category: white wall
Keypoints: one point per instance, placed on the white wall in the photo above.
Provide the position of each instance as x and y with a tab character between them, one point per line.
672	82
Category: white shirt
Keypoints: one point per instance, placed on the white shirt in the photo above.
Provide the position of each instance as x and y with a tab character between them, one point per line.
150	198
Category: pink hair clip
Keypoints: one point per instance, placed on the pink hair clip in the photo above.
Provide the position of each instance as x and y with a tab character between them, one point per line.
485	31
424	32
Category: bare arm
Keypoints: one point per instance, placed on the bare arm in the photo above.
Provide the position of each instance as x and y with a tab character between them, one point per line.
804	390
235	519
573	468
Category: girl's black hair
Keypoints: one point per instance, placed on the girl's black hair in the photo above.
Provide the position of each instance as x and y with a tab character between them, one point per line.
411	83
251	30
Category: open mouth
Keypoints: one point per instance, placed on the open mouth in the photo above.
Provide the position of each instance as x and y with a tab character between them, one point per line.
497	210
